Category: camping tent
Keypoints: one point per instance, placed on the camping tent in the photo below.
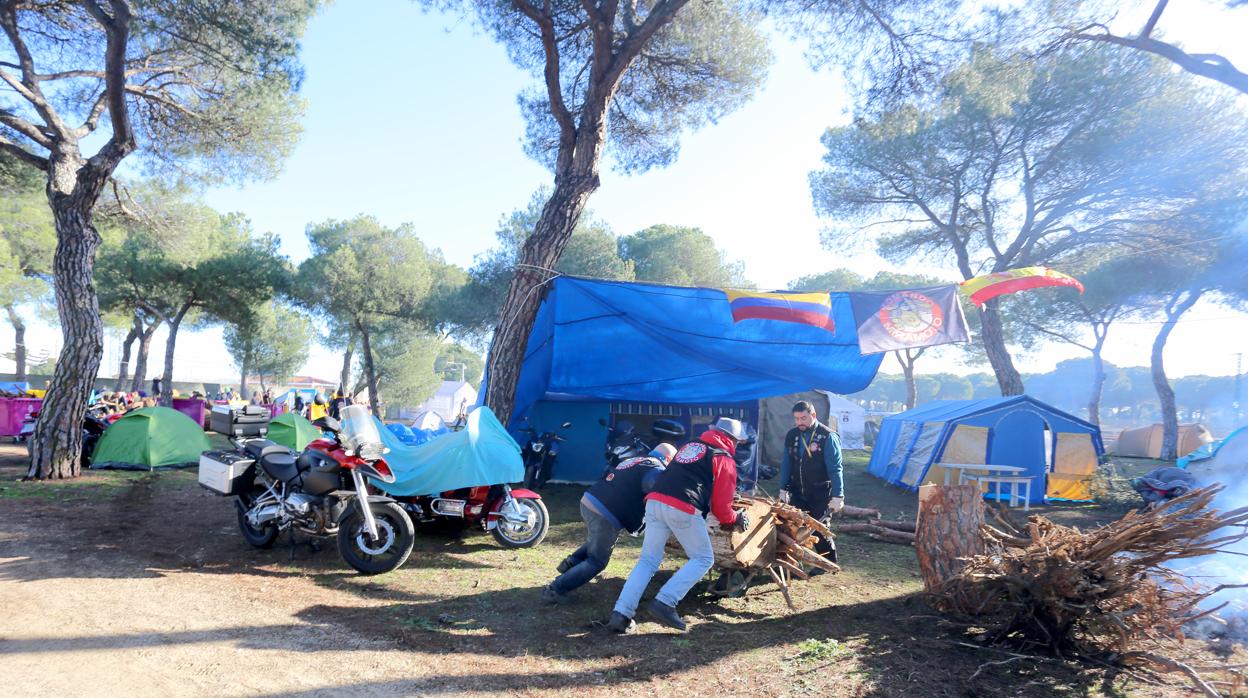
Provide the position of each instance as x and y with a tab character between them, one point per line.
775	419
1059	450
150	438
1145	442
430	421
292	431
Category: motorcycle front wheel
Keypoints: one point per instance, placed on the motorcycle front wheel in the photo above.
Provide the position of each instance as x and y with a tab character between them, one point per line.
524	535
395	538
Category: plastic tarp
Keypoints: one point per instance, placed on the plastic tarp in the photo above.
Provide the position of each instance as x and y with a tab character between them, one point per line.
152	437
292	431
1211	449
482	453
618	340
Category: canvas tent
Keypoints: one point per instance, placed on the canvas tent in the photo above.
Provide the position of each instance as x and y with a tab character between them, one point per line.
1145	442
292	431
1057	449
149	438
775	419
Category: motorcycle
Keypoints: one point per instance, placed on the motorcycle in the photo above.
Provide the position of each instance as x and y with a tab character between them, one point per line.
322	491
517	518
539	455
623	442
94	422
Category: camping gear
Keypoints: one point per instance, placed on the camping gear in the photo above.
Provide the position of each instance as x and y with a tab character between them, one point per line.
429	421
192	407
292	431
539	455
1058	450
589	335
1145	442
516	518
243	420
982	289
483	453
1163	484
150	438
322	491
13	411
404	432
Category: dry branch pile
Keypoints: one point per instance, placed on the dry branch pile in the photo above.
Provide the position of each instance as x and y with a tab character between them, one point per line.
1105	593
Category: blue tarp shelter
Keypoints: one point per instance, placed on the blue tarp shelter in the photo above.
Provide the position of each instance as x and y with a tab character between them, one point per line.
615	340
1059	450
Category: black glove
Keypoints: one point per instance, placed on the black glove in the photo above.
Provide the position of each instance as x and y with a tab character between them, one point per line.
741	524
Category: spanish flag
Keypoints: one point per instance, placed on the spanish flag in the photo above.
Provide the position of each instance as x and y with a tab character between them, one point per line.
814	309
982	289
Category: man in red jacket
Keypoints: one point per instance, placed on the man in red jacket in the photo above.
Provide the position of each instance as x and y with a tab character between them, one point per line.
701	478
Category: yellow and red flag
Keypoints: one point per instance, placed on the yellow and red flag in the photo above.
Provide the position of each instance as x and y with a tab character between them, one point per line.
982	289
813	309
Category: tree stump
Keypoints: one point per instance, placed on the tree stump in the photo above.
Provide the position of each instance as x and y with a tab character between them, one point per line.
948	528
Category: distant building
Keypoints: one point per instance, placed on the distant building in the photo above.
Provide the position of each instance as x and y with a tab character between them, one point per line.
311	383
452	398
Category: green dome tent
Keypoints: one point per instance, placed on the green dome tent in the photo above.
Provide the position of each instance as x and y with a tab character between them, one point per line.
292	431
150	438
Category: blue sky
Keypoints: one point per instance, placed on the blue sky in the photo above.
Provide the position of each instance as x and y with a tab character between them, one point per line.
412	117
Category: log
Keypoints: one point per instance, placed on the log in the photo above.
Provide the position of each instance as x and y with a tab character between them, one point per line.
807	556
878	532
948	531
793	569
907	526
859	512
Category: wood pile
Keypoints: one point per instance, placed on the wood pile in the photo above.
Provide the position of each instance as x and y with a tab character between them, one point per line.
1105	595
796	535
901	532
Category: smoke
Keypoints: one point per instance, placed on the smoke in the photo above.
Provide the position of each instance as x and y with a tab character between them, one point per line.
1228	568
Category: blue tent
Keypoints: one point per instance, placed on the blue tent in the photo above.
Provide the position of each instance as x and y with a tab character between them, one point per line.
1057	449
614	340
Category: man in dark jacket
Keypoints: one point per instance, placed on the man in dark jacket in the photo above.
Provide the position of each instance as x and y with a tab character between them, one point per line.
811	472
701	478
615	503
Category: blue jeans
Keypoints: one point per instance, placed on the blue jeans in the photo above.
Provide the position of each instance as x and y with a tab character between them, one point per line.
662	522
592	557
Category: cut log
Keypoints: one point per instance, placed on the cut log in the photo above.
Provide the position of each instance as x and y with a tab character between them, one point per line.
807	556
878	532
859	512
907	526
793	569
948	531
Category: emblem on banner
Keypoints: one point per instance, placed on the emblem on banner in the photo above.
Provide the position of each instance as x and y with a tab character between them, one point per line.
911	317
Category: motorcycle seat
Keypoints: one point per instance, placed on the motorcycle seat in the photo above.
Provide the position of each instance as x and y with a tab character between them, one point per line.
280	466
259	448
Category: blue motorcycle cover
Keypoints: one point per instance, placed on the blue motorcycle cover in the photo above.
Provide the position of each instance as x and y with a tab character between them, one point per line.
482	453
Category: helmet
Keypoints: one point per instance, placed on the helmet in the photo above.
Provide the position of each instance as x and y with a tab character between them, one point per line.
732	427
664	452
319	399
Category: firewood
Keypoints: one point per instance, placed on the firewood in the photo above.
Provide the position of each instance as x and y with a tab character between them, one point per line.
878	533
907	526
859	512
807	556
793	569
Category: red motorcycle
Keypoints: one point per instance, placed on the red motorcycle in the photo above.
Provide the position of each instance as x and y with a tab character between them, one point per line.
516	518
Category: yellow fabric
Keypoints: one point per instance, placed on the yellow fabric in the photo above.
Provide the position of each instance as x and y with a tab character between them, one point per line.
1074	463
967	444
35	392
316	411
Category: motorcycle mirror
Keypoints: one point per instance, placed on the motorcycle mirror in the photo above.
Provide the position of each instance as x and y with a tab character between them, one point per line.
567	424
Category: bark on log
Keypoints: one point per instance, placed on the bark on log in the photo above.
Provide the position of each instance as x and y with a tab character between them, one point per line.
859	513
950	517
879	533
905	526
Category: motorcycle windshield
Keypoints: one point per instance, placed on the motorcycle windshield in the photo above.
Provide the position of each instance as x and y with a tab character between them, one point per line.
359	432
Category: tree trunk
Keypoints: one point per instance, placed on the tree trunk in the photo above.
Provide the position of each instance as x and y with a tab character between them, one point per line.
140	361
524	294
907	369
166	383
56	445
123	370
369	370
994	346
242	378
1179	303
1098	381
948	528
344	379
19	342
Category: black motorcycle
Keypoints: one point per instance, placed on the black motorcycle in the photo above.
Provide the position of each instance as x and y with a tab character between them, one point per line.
94	422
322	491
539	455
623	441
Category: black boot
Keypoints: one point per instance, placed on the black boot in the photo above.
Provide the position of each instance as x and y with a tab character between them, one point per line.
665	615
620	624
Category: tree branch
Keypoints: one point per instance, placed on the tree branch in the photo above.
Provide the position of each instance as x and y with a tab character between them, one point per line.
22	154
554	88
1208	65
117	29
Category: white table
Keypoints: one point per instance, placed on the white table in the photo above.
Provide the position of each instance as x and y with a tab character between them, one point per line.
1014	481
961	468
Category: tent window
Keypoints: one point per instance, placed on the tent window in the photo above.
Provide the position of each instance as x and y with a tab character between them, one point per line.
905	435
921	454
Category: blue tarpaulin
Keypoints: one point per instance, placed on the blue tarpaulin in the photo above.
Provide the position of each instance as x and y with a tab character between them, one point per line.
482	453
615	340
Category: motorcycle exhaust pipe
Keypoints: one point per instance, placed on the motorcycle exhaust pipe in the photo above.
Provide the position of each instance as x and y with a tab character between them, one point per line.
259	516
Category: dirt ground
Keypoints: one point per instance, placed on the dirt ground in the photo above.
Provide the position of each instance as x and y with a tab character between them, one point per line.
139	583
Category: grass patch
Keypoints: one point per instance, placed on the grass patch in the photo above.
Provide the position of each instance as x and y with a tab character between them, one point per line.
812	650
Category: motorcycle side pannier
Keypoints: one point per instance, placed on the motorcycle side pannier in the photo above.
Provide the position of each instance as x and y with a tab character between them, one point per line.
248	420
222	471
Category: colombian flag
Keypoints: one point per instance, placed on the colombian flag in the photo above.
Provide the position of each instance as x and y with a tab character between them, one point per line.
813	309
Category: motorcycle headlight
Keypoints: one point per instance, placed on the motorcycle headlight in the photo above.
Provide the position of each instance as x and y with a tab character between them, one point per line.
538	446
